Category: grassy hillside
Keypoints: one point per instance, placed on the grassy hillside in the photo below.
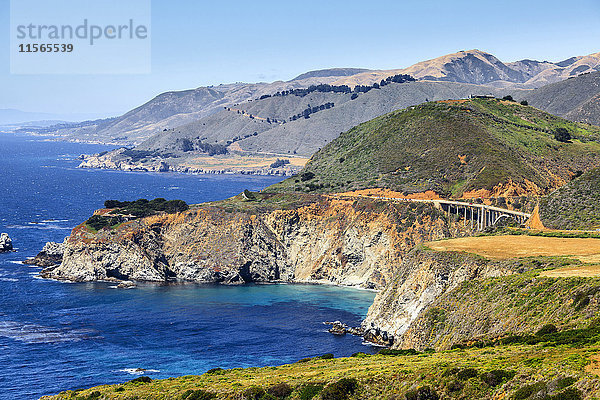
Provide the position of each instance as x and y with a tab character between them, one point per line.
453	147
575	205
512	372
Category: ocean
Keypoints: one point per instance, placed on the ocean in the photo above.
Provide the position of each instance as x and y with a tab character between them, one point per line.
57	336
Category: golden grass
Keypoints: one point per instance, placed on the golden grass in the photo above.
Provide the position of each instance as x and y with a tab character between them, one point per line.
233	162
515	246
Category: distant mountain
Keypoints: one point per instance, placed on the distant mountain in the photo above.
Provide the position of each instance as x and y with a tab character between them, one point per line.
9	116
198	113
278	125
577	98
332	72
478	67
172	109
455	148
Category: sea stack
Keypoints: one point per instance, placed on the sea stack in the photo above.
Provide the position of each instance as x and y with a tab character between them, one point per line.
5	243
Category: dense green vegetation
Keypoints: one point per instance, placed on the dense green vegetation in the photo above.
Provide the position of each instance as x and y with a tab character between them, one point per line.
450	147
124	210
145	207
504	371
575	205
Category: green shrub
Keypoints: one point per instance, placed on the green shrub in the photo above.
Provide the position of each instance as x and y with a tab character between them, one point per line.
450	371
98	222
562	135
141	379
249	195
466	373
546	330
254	393
303	360
215	371
527	391
398	352
93	396
119	389
497	376
562	383
307	176
327	356
280	390
198	395
144	207
568	394
339	390
454	386
309	391
422	393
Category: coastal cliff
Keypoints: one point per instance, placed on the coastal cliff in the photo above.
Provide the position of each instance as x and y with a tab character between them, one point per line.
439	299
273	238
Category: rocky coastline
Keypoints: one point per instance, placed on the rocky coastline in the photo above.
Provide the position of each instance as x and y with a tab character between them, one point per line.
50	256
97	161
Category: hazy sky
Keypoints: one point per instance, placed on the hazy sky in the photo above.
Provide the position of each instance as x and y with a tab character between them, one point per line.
197	43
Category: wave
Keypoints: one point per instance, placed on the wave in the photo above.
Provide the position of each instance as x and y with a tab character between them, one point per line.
8	279
37	225
138	371
33	333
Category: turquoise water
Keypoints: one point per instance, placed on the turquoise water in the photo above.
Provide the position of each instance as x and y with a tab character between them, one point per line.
56	336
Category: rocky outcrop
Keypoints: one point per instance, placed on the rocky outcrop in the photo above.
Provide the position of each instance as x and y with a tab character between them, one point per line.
419	281
51	255
5	243
345	242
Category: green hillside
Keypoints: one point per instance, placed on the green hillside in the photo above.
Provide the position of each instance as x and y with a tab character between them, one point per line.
575	205
452	147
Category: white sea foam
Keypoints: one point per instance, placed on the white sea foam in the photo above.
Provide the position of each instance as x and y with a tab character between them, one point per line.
33	333
37	225
8	279
138	371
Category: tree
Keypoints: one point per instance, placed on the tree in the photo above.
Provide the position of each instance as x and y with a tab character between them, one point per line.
524	103
562	135
508	97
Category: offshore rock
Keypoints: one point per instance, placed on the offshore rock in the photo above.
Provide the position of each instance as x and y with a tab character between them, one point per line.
51	255
5	243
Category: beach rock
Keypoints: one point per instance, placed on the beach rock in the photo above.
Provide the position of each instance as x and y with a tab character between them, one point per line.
339	328
5	243
50	256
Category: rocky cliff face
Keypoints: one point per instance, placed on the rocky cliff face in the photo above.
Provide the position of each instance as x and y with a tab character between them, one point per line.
418	282
437	299
51	255
355	243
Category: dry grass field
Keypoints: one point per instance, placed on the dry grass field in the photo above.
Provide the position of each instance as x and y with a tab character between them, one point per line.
586	250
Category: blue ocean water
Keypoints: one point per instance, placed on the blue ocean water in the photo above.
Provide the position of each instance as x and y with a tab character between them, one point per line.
57	336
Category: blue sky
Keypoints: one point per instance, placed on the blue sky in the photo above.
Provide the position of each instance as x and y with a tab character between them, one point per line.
197	43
